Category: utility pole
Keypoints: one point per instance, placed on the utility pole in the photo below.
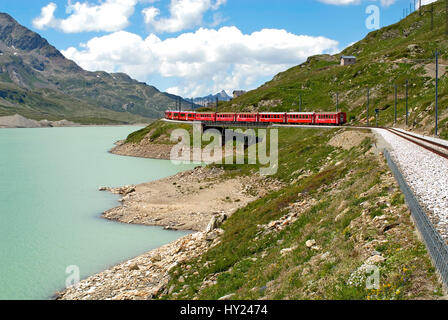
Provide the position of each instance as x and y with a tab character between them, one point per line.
446	17
217	101
192	104
432	16
395	115
420	7
337	101
437	93
377	112
407	113
368	100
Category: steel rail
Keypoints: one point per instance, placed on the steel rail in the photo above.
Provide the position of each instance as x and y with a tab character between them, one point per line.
402	135
443	146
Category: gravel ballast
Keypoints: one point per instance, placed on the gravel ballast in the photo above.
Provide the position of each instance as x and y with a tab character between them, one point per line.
427	175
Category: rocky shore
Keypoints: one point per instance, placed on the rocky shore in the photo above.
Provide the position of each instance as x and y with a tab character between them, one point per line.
145	276
199	200
145	149
187	200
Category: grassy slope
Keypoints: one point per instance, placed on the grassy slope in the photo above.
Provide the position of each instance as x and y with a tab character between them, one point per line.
382	62
338	195
157	132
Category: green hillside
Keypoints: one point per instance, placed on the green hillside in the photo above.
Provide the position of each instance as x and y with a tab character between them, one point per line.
389	56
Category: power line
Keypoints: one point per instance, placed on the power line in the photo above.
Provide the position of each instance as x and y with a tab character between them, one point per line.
396	96
407	109
446	17
337	101
367	110
432	16
437	92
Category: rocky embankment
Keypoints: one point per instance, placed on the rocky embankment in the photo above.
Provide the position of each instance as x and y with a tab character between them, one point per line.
145	149
144	277
200	200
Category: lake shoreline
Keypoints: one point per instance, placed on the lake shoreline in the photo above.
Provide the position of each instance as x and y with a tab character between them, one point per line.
19	122
197	200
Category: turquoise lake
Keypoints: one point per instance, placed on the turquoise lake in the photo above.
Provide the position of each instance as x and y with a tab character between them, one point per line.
50	207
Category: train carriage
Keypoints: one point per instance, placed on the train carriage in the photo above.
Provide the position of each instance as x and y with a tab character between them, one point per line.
206	116
300	118
247	117
342	118
272	117
330	118
168	115
187	116
172	115
226	117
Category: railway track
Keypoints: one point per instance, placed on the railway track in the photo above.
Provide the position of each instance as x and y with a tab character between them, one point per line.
432	146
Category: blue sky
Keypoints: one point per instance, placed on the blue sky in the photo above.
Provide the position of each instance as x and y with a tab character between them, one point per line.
196	47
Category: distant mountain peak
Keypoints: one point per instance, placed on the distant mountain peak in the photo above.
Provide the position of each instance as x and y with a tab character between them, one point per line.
14	34
222	96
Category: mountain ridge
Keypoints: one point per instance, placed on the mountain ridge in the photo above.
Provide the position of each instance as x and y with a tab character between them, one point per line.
31	66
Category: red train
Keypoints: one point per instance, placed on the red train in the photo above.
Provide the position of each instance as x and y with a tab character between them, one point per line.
310	118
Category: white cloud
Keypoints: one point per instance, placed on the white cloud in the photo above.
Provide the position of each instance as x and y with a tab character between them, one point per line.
425	2
108	15
184	14
340	2
387	3
205	61
384	3
46	18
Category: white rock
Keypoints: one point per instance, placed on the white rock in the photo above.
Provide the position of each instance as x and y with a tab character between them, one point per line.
310	243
